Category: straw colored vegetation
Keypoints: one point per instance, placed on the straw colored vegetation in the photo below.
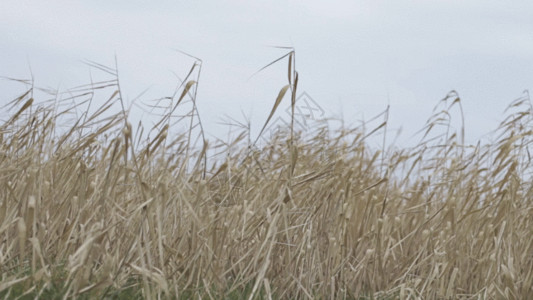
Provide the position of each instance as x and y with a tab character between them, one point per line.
93	207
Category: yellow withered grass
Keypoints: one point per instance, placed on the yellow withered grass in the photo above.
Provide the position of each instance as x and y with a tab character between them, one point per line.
100	209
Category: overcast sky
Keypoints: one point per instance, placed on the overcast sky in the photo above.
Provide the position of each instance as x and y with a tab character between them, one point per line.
353	57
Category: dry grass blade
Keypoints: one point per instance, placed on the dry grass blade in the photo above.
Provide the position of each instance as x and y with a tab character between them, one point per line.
272	63
185	91
26	105
281	94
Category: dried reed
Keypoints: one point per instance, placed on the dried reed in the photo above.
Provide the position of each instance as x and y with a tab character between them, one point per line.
99	209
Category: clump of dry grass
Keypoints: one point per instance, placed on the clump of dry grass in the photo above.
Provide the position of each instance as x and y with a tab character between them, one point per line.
98	208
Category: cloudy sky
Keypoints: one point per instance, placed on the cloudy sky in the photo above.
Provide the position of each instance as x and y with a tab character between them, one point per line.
354	57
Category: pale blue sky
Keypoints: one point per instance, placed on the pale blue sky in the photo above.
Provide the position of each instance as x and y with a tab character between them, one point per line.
353	57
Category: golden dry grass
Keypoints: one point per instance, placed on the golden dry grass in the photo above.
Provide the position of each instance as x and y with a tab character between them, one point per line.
98	210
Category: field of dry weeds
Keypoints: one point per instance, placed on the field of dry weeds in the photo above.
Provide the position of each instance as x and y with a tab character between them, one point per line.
97	208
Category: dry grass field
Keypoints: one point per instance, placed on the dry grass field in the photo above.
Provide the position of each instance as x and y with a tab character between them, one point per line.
98	208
